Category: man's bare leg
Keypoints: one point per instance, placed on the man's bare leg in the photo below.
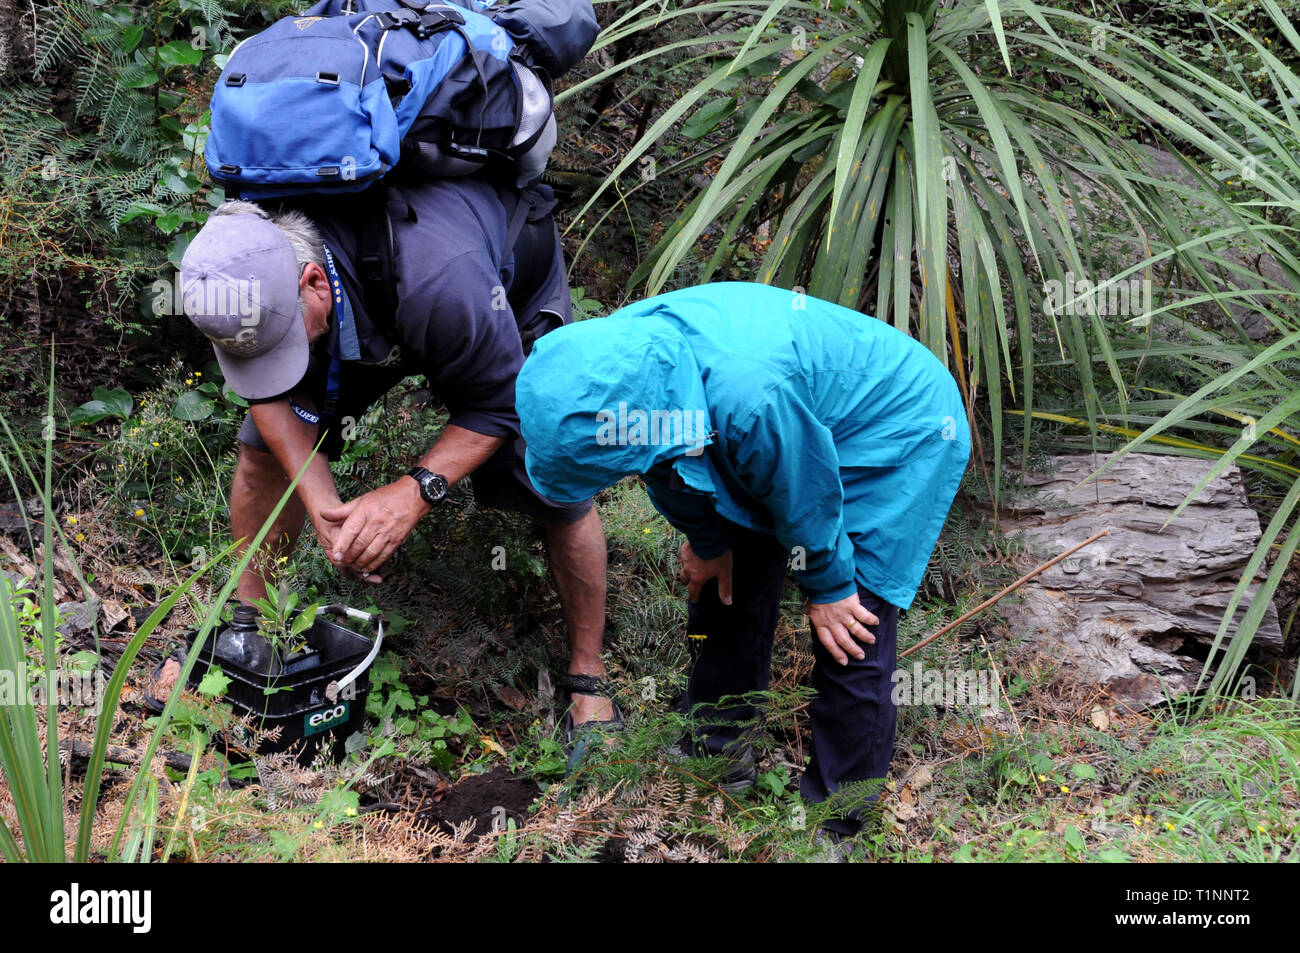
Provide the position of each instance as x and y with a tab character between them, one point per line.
258	485
576	552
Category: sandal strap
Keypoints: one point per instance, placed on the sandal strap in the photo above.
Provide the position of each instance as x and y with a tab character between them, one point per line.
585	685
572	732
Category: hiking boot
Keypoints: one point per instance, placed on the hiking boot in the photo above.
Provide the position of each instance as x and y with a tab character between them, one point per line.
831	848
742	768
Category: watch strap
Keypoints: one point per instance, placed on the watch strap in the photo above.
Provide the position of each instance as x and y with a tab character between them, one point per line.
427	480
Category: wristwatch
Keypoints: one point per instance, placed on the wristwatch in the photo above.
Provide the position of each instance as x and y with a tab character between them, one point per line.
433	486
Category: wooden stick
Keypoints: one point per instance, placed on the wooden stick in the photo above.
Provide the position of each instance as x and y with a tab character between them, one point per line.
82	751
1004	593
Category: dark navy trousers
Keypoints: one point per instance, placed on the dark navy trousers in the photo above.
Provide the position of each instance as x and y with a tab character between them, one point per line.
853	716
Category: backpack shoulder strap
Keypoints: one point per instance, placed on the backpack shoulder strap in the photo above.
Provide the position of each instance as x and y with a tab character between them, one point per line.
374	262
528	201
374	257
532	205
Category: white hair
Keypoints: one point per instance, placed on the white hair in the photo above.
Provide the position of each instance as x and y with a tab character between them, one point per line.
297	227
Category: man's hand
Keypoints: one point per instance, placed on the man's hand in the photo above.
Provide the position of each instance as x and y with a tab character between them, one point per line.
696	572
327	532
374	525
838	624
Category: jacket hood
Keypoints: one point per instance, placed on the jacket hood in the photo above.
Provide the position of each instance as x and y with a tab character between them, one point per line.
608	397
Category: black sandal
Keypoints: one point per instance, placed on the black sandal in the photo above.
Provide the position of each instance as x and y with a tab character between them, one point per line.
570	685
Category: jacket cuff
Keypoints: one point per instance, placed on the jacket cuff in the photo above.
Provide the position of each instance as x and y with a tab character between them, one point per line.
710	546
821	593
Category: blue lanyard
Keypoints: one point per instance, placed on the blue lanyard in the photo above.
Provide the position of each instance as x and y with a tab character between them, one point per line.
343	342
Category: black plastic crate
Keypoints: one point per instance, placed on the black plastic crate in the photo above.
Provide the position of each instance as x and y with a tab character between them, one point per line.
296	699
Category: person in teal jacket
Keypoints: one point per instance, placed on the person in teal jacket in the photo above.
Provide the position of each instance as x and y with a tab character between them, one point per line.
772	429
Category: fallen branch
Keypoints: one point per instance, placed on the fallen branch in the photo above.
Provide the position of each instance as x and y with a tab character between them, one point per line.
1003	594
81	751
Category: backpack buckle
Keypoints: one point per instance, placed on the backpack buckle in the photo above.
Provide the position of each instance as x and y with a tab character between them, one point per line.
434	19
423	24
468	152
392	19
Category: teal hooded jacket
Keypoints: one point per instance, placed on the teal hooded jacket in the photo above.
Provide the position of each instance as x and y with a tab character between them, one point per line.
789	415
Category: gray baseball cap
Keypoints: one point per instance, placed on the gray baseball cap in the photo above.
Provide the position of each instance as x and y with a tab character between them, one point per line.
239	282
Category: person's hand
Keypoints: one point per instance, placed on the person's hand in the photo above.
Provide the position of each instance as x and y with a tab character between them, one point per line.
373	526
327	532
839	624
696	572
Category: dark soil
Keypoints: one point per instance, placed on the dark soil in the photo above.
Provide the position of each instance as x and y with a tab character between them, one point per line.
491	797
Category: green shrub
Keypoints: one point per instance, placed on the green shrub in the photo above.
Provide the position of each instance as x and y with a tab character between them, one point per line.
162	472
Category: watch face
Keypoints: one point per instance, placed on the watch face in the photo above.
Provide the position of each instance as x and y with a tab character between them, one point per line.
433	486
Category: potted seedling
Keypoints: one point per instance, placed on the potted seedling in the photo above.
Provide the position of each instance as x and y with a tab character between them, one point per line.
285	627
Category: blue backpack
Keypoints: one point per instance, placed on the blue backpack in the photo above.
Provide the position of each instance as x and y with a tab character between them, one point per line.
333	99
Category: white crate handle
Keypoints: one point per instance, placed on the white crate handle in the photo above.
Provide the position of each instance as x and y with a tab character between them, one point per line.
334	688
